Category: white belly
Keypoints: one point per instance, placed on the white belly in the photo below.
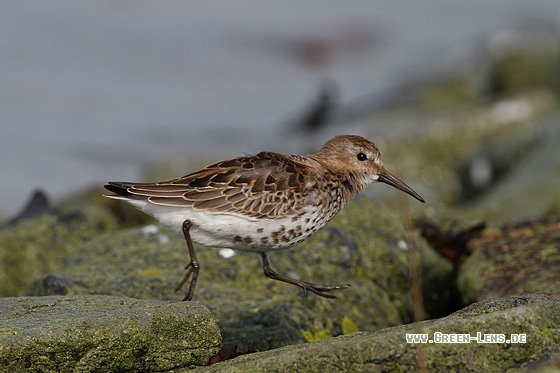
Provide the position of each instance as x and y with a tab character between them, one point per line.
236	231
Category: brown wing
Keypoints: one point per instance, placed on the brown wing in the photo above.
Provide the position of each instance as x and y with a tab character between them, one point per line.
263	185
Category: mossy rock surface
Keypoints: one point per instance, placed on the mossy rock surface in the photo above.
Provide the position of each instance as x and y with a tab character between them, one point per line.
535	315
36	242
512	260
95	333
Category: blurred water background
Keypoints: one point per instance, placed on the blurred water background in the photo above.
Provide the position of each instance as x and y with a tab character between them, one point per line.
92	91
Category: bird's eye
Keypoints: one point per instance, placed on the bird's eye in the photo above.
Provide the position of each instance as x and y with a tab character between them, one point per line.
361	157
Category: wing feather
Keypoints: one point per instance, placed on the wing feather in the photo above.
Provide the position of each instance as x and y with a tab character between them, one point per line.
264	185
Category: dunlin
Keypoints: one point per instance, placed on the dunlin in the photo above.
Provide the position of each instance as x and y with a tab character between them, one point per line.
263	202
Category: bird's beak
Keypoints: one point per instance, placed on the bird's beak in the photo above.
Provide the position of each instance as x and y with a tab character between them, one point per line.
385	177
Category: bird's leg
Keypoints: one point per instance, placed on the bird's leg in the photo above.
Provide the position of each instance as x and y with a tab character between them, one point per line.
193	267
318	289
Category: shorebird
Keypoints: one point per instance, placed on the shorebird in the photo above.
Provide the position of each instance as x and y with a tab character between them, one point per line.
263	202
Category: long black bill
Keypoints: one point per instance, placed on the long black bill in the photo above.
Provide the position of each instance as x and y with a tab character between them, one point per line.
387	178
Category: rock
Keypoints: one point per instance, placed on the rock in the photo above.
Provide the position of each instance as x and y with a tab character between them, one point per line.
37	239
535	315
364	246
94	333
530	187
490	163
512	260
496	162
546	360
37	205
521	68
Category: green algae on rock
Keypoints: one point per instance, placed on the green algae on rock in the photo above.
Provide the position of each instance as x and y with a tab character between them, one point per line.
535	315
38	245
512	260
93	333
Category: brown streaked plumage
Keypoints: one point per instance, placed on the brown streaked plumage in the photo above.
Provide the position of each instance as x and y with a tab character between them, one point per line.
264	202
